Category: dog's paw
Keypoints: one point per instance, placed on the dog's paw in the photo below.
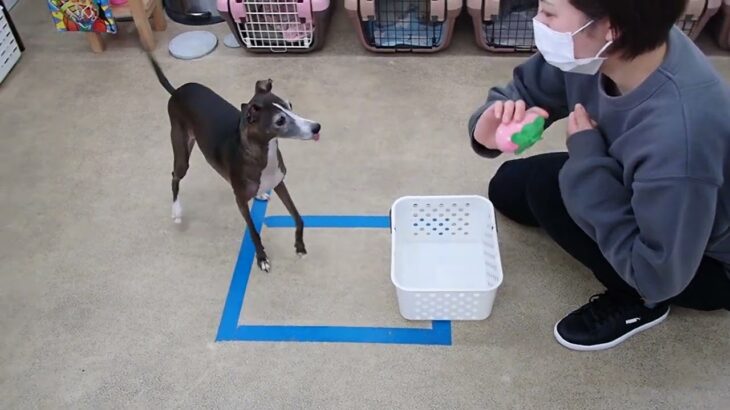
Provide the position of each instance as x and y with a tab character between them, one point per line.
263	197
177	212
301	251
264	264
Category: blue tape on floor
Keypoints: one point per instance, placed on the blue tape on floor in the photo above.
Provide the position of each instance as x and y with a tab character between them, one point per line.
321	221
229	330
439	334
234	301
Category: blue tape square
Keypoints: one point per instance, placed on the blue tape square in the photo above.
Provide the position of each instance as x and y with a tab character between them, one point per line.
230	330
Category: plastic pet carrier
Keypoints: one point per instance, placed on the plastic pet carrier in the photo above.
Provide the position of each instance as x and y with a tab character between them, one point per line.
9	48
404	25
696	16
720	26
503	25
506	25
277	25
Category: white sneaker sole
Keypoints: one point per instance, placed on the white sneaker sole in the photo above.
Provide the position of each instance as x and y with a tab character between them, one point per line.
613	343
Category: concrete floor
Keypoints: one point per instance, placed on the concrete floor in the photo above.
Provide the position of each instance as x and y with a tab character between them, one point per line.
106	303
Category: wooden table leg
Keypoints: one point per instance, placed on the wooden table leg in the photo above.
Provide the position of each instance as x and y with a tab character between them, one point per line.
143	24
159	21
96	42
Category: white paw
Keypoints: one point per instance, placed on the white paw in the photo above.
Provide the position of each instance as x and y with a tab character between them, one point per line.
302	255
263	197
265	265
177	212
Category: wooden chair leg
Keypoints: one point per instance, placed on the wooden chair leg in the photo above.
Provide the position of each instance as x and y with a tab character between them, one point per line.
143	24
159	21
96	42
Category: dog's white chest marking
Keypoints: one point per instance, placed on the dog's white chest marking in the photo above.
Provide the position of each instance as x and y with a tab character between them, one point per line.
271	176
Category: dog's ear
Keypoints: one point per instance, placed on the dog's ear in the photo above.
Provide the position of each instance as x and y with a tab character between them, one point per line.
263	86
251	112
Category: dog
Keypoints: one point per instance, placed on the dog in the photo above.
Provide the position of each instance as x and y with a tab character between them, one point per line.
241	145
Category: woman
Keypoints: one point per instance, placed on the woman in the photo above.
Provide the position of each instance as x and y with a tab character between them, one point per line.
642	196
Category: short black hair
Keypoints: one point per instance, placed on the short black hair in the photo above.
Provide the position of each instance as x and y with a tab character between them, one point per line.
641	25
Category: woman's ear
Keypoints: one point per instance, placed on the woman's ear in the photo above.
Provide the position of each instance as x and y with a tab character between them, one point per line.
611	34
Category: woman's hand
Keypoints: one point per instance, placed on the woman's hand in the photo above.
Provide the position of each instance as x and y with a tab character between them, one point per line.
501	112
579	120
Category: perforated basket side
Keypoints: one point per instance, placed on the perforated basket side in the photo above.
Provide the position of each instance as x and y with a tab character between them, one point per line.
420	220
445	305
442	218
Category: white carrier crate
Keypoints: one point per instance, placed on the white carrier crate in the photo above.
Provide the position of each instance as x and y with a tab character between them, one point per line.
9	48
278	26
445	261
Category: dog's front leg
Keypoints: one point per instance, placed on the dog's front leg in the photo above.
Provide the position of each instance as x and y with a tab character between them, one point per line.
261	259
283	194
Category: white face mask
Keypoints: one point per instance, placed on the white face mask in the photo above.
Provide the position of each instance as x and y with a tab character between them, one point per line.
558	50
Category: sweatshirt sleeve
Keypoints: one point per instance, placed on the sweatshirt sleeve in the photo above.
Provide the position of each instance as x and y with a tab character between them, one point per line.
653	233
538	84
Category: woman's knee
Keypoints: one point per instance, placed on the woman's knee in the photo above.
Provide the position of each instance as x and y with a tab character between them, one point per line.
507	191
503	183
543	186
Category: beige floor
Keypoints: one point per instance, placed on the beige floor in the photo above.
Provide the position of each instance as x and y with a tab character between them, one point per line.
105	303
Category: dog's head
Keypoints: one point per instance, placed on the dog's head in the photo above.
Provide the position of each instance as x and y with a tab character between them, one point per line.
267	116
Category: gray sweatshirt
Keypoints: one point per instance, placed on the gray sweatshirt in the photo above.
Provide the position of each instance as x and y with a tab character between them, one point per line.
651	185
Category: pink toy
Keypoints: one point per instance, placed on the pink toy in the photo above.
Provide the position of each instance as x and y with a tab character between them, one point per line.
516	137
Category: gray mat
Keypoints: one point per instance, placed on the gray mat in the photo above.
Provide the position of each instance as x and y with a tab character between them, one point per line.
193	44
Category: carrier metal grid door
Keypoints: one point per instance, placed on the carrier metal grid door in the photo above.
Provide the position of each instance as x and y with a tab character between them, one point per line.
512	29
403	23
277	25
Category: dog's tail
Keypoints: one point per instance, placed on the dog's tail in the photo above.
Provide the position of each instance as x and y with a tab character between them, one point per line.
160	75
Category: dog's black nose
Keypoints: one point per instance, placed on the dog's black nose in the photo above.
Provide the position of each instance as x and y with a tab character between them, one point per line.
315	128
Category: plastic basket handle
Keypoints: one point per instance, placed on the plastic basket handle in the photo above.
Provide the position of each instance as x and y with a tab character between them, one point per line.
237	10
694	9
367	10
304	10
491	9
438	10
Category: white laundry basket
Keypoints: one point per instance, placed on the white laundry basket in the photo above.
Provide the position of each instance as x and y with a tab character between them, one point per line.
445	261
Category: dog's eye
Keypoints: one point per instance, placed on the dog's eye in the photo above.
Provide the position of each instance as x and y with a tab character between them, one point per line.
280	121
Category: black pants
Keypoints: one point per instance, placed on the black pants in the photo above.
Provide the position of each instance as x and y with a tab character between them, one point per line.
527	191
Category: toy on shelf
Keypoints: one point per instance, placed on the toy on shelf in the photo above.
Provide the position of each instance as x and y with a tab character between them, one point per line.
517	136
83	15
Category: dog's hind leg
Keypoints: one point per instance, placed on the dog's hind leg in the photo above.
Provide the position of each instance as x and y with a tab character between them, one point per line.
283	194
182	145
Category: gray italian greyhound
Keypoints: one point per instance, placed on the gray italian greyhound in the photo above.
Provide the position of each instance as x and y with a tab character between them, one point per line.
241	145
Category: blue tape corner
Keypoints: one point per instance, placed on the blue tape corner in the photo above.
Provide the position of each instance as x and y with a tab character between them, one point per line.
229	329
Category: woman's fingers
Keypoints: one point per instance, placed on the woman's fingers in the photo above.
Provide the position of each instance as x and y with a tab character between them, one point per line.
498	109
582	119
509	110
519	111
539	111
572	126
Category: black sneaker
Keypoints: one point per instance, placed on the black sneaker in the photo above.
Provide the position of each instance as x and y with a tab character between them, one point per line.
606	321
